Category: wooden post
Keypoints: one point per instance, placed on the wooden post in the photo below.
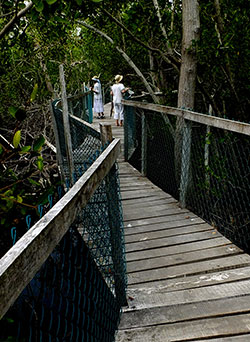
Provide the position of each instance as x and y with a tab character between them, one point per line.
106	133
185	162
58	147
66	125
143	145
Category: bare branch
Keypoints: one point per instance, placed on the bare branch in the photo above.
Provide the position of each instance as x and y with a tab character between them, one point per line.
170	59
130	62
11	23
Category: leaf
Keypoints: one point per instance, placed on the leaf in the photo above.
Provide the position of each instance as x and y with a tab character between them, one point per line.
19	199
97	0
12	111
50	2
25	149
33	182
38	143
34	92
17	138
39	6
79	2
40	163
1	149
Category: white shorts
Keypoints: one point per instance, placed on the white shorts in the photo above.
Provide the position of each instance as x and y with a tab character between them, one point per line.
119	111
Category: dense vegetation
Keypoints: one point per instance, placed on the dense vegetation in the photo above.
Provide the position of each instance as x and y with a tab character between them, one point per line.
93	37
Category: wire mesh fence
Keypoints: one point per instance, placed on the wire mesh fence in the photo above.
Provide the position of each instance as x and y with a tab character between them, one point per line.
78	293
81	106
68	300
206	168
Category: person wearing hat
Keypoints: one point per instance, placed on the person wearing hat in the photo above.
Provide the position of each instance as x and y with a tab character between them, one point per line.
117	91
98	103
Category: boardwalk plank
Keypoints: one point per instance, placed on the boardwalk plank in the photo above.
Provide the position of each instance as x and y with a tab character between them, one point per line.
193	281
184	258
192	268
182	248
172	313
189	331
165	232
172	240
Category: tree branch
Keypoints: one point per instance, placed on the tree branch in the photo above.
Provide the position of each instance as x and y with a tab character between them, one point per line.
170	59
130	62
11	23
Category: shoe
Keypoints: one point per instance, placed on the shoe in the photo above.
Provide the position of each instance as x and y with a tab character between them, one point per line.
103	117
98	117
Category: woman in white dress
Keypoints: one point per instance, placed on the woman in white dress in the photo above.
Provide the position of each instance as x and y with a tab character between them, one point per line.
117	91
98	102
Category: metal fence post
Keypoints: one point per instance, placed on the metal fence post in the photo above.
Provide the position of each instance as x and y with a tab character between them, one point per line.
143	145
126	133
90	110
185	162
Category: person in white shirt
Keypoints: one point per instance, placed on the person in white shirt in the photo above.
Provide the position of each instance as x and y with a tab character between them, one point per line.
98	102
117	91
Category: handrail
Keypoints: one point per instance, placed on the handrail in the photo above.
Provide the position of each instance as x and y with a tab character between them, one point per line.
230	125
20	264
75	97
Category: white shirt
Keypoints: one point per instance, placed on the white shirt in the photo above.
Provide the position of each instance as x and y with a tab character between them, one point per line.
117	92
98	91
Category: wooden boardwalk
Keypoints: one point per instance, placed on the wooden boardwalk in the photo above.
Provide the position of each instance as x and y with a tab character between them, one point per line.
186	282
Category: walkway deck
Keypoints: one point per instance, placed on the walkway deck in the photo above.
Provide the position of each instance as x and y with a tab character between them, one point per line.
186	282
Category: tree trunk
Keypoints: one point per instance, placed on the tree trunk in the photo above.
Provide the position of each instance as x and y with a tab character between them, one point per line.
187	80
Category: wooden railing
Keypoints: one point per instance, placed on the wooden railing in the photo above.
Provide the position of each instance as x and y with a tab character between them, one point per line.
19	265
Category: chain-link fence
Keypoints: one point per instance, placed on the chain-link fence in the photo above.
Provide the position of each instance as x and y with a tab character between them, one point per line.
78	293
206	168
81	105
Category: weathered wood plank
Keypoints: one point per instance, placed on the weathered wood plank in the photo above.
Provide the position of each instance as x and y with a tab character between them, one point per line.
150	214
182	259
193	281
172	240
177	271
172	313
164	232
164	218
190	331
175	249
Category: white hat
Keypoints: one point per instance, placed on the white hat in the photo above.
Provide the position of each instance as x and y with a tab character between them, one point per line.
118	78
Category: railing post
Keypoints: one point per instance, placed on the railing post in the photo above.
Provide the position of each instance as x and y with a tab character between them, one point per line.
143	145
126	109
66	125
185	162
206	150
58	146
90	110
112	191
